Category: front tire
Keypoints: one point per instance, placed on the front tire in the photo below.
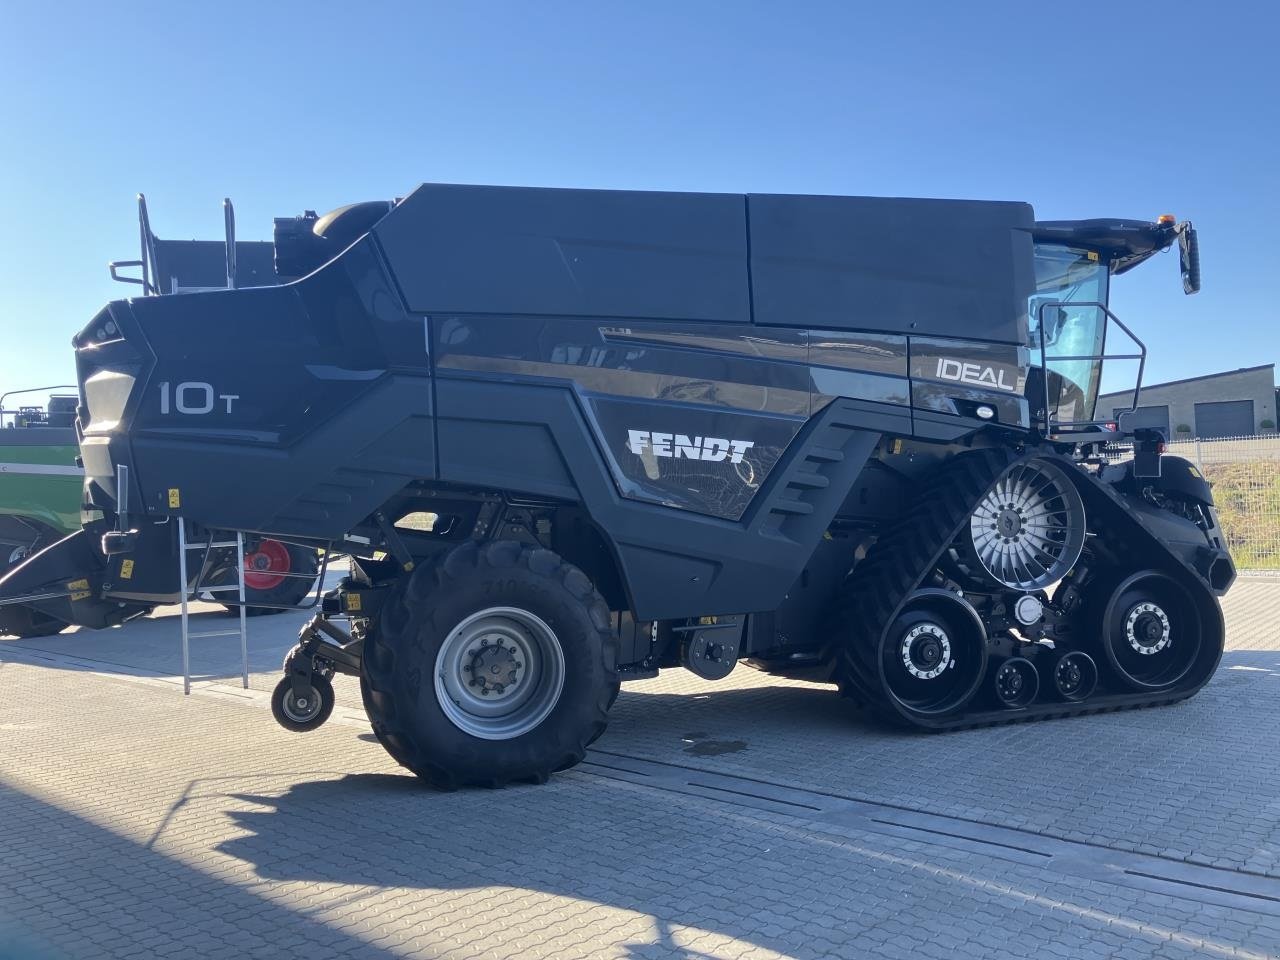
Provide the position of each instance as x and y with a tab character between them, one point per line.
497	664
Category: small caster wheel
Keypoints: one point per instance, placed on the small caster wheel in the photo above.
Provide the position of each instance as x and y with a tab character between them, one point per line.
301	714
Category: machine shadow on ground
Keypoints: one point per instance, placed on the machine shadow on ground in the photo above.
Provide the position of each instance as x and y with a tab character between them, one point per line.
617	850
59	866
402	835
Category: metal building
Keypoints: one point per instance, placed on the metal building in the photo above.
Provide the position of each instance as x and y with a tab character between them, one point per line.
1234	403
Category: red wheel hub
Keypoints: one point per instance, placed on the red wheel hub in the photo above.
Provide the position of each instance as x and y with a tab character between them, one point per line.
264	569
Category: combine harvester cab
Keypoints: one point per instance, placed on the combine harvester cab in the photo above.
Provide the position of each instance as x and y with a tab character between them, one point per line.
573	437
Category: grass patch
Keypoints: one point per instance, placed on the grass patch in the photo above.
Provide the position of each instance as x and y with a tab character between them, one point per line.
1247	493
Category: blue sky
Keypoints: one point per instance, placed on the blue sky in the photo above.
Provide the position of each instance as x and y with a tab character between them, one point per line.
1082	109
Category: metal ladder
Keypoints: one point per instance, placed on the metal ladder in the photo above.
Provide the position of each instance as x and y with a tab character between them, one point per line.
187	636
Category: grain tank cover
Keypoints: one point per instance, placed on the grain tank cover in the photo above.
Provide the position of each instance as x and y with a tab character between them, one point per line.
587	253
929	267
959	268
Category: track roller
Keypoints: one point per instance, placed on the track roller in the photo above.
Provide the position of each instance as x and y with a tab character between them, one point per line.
1150	631
1016	682
1075	676
934	655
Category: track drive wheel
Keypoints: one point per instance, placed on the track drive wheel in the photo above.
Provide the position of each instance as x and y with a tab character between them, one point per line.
302	713
497	664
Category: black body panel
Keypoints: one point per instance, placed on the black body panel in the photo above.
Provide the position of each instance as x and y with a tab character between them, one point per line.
675	563
237	400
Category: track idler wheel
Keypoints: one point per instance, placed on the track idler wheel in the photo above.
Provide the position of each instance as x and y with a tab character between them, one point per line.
1150	631
934	655
1016	683
1075	676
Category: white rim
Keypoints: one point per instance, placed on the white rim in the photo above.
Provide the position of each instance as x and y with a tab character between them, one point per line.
1028	530
499	673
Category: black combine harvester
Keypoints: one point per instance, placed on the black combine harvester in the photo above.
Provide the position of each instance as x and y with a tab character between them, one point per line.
572	437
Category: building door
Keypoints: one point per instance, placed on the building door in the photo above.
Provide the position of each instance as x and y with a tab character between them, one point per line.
1157	417
1225	418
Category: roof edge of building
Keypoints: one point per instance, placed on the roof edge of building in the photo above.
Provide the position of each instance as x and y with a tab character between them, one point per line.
1203	376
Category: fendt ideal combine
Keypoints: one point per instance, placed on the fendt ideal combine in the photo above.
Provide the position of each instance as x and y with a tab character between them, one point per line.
573	437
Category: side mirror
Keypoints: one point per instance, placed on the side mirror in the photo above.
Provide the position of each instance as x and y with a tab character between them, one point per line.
1189	258
1052	316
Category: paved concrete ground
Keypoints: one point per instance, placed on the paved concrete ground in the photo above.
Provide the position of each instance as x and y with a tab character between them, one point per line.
749	818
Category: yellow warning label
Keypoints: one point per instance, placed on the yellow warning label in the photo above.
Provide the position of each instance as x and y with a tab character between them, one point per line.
126	569
175	498
352	602
1195	473
79	589
1093	256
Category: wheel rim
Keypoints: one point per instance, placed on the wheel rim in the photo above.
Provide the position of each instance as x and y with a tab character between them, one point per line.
302	710
265	567
933	657
499	673
1016	682
1028	529
1152	635
1075	676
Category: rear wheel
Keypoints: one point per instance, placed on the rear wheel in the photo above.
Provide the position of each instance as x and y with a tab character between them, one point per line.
496	665
267	568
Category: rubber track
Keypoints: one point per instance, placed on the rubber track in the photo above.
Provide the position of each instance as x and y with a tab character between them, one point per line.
897	564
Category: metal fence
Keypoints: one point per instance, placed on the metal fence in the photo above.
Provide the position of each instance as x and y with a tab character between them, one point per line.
1245	473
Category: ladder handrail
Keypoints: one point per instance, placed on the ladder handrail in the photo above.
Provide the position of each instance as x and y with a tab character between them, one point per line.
229	228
